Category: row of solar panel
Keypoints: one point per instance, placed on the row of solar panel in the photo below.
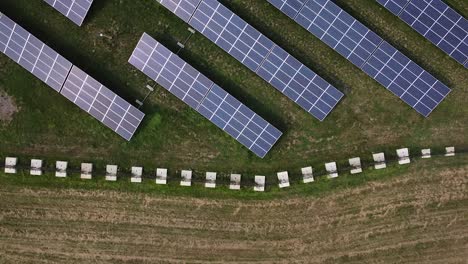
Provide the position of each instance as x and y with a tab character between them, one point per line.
368	51
331	24
259	54
59	73
188	84
200	93
75	10
335	27
436	21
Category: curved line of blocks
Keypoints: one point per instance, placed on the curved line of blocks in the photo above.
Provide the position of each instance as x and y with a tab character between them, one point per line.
86	172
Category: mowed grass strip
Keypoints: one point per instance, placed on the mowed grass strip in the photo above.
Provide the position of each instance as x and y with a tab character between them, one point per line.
320	187
368	119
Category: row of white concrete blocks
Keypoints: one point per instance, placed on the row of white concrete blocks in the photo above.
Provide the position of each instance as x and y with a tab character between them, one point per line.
235	179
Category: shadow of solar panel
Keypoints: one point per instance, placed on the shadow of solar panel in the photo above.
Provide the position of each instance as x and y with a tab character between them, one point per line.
75	10
259	54
32	54
102	103
200	93
369	52
437	22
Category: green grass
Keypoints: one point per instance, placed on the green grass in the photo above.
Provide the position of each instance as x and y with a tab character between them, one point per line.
368	119
320	187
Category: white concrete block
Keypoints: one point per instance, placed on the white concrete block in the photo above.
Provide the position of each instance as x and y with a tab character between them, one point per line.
307	174
86	171
403	156
331	169
449	151
61	169
10	165
259	183
355	164
186	178
36	167
111	172
210	180
235	182
425	153
161	176
379	159
283	179
137	173
135	180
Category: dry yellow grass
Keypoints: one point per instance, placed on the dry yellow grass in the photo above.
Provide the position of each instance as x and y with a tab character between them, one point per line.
418	217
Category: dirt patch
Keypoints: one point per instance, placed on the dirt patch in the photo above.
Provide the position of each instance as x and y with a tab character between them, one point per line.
8	108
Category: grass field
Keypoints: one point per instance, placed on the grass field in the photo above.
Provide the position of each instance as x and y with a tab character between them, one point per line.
368	119
418	214
414	214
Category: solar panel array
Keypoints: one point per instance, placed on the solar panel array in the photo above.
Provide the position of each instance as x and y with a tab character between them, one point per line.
368	51
57	72
207	98
32	54
75	10
259	54
437	22
102	103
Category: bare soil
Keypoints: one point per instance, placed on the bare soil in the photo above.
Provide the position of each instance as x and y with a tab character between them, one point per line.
419	217
7	107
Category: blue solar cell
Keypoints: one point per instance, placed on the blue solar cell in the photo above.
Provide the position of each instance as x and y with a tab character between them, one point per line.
203	95
436	21
170	71
290	8
75	10
239	121
102	103
338	30
32	54
394	6
183	8
256	51
369	52
72	83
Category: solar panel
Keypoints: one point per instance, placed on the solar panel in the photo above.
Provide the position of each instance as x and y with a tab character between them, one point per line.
207	98
395	6
102	103
182	8
32	54
161	65
405	79
289	8
75	10
69	80
259	54
368	51
437	22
